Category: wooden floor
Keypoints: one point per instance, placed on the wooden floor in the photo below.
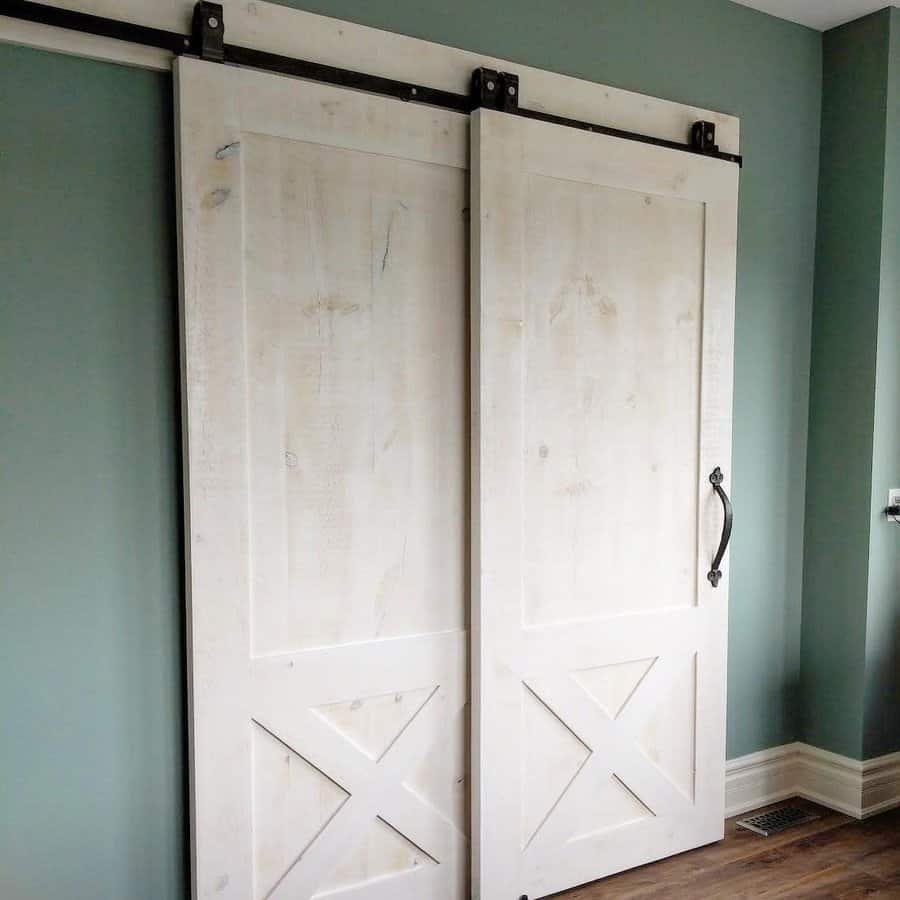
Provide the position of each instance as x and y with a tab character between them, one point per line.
833	857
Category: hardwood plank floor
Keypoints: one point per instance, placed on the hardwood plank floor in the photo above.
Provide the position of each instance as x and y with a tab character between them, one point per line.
832	858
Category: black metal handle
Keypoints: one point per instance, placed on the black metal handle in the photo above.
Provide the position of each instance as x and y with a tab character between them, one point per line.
715	479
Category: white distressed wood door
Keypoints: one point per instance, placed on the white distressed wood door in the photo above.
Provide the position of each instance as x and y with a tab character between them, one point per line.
603	289
325	316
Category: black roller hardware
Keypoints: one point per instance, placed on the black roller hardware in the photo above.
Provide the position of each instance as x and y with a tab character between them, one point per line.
490	89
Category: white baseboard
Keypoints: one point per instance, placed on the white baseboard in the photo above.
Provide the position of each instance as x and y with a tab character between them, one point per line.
759	778
859	789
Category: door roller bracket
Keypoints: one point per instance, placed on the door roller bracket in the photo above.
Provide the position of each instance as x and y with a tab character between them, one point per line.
495	90
208	31
703	138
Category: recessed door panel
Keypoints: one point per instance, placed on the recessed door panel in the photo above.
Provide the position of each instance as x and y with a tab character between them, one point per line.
613	308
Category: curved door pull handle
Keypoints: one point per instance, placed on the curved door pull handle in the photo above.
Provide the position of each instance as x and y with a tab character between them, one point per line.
715	479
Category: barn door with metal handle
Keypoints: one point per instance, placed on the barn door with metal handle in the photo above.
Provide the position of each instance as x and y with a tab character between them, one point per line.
715	573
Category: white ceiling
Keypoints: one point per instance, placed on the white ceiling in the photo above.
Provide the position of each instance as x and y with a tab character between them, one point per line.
820	14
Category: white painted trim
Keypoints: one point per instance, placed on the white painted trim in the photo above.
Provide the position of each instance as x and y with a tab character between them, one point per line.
760	778
71	43
292	32
832	780
859	789
881	784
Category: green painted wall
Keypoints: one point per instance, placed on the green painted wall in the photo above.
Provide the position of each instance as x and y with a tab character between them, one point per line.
851	602
842	384
90	640
881	732
91	684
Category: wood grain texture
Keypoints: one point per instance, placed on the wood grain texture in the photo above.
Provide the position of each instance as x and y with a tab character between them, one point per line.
603	297
324	258
832	858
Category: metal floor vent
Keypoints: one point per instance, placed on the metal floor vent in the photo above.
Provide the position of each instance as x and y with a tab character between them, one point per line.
777	820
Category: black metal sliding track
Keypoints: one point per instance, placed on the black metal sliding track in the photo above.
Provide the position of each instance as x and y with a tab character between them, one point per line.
44	14
494	90
626	135
374	84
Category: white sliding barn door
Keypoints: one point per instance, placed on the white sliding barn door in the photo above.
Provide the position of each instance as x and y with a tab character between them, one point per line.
603	288
324	257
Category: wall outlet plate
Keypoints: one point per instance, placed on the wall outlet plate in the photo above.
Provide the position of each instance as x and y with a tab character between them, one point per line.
894	497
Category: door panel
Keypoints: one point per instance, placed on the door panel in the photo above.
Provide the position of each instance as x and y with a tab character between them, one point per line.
350	305
603	286
612	362
324	274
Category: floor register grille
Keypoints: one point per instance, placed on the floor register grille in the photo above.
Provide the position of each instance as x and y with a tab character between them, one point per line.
778	820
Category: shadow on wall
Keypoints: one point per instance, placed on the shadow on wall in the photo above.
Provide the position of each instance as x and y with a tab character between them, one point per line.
881	722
